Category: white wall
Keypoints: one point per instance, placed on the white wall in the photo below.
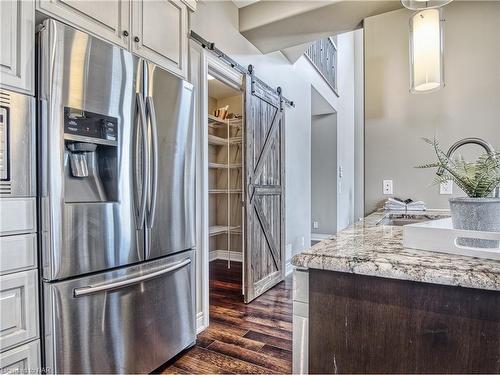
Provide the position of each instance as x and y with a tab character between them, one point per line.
468	105
217	21
234	102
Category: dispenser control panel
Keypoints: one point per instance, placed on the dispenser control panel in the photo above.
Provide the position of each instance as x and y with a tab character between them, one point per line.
89	124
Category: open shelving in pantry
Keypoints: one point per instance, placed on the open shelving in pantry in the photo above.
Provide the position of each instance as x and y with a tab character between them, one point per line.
225	172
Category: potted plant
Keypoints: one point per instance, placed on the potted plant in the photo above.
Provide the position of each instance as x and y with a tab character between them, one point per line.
478	211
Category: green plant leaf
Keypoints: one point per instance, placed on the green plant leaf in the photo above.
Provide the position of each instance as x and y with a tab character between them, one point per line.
476	179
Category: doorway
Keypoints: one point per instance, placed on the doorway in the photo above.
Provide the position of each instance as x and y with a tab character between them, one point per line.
324	171
225	179
240	180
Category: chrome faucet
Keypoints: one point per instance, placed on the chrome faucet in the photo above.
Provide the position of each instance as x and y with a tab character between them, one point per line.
467	141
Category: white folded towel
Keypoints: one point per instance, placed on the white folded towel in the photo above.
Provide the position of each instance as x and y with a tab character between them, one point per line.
397	204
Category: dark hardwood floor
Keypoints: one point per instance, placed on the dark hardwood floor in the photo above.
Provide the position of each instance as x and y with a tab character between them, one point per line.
243	339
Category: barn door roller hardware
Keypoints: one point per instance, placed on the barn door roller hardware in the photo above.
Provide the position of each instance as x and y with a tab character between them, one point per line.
264	92
233	64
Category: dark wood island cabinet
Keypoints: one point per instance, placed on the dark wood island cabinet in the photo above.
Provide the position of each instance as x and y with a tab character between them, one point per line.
368	324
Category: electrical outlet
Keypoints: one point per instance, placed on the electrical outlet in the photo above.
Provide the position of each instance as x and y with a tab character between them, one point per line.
446	188
388	187
303	241
315	225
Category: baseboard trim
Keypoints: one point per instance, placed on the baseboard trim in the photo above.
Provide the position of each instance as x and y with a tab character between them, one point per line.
320	237
199	323
223	254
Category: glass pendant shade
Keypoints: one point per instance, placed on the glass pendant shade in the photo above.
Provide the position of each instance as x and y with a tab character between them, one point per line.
426	51
422	4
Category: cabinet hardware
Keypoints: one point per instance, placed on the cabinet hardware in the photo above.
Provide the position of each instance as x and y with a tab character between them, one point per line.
136	39
125	33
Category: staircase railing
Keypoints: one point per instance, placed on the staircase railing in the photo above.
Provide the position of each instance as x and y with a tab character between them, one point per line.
323	55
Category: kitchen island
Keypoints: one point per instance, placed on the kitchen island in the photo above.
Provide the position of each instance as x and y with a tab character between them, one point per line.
365	304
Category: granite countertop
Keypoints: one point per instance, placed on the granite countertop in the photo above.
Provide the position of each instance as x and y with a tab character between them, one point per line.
377	250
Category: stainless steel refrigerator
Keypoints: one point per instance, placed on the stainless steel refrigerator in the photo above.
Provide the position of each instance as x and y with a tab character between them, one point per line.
116	186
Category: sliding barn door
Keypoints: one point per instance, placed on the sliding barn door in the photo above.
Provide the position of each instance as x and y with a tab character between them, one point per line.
264	189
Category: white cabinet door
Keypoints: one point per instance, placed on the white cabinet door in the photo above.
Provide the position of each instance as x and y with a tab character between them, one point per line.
17	253
300	350
17	215
17	41
160	33
21	360
108	19
19	307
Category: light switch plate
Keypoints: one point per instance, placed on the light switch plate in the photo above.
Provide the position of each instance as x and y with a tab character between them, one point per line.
315	225
446	188
388	187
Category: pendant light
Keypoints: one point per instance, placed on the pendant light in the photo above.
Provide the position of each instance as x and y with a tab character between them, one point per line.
426	45
426	51
421	4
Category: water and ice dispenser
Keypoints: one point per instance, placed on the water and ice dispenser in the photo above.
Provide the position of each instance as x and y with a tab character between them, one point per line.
90	157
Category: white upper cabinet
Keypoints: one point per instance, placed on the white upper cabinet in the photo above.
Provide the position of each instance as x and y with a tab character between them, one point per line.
108	19
17	41
160	33
154	29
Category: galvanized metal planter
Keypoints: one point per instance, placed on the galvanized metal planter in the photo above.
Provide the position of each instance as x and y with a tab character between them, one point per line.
479	214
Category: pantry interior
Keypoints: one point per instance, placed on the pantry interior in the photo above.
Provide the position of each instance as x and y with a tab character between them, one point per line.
225	177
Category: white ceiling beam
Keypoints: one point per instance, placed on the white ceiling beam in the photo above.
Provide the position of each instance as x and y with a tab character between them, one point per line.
278	25
294	53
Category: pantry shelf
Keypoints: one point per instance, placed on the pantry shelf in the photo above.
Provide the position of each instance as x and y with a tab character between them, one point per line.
225	191
223	166
222	229
219	141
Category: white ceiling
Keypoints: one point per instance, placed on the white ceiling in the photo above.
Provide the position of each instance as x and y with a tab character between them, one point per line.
218	90
243	3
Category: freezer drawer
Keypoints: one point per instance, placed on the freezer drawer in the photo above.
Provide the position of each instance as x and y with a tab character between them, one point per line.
24	359
19	308
130	320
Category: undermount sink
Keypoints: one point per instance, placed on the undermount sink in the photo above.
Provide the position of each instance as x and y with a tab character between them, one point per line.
404	219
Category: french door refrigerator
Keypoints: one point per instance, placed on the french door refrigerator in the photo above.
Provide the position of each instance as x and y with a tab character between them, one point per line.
116	186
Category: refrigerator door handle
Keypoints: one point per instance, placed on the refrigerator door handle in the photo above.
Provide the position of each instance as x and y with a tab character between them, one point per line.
145	172
154	139
92	289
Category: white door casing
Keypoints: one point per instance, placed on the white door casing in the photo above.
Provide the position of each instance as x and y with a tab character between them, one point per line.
201	62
